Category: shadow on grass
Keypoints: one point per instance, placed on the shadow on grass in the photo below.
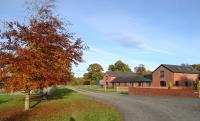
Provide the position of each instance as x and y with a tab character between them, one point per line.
3	101
60	93
72	119
124	93
35	100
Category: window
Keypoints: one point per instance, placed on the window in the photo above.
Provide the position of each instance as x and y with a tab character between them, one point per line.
162	74
163	83
177	83
186	84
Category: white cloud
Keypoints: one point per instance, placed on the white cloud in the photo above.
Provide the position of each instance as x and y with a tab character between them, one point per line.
158	50
100	51
130	41
126	40
125	31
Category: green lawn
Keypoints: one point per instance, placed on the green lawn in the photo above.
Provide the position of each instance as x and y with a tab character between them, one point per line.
63	105
94	88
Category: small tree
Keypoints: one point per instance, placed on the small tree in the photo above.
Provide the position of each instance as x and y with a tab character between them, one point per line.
141	70
95	73
38	54
119	66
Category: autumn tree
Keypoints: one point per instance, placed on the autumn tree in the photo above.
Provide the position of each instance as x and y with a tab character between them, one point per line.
37	53
95	73
119	66
141	70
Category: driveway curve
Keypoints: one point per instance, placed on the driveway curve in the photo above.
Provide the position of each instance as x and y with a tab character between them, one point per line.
144	108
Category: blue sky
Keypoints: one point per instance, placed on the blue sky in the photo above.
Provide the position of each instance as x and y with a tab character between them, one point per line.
149	32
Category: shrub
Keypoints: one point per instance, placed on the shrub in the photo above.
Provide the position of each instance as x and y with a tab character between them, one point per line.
198	85
76	81
170	86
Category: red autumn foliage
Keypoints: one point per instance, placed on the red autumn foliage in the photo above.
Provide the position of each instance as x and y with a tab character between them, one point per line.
39	53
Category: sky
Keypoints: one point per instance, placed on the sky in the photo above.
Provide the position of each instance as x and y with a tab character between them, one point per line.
149	32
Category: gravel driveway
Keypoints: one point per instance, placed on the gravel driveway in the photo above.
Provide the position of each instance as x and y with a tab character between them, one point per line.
143	108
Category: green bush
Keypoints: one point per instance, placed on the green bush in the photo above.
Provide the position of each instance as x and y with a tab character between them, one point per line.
76	81
86	82
198	85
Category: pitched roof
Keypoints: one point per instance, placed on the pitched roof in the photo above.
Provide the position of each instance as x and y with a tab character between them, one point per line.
127	77
181	69
148	76
131	79
119	74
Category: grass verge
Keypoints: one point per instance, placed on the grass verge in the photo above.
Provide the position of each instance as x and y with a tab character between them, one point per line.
94	88
63	105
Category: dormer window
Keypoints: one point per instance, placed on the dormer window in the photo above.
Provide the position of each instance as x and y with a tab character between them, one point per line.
162	74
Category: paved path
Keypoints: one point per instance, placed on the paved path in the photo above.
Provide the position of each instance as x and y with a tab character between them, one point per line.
143	108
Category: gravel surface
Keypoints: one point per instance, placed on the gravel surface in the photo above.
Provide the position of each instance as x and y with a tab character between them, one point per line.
144	108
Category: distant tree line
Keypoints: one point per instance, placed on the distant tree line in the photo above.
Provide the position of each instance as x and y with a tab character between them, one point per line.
95	72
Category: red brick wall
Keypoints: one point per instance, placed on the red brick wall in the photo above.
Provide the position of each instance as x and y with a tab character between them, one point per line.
108	78
168	76
187	92
185	77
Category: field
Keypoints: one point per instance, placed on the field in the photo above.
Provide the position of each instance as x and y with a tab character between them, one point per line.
63	105
94	88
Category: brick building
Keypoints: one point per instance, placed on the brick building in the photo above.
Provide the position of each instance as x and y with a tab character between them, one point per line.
179	76
113	79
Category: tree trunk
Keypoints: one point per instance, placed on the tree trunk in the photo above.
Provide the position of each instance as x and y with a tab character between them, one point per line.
27	102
